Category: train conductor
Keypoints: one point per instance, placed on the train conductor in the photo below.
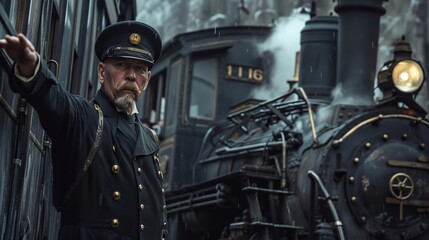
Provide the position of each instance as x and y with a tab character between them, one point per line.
107	181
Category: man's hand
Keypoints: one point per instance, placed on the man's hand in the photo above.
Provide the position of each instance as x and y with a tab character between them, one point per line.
21	50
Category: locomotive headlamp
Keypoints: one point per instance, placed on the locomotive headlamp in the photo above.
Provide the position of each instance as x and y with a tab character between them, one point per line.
402	76
401	79
407	76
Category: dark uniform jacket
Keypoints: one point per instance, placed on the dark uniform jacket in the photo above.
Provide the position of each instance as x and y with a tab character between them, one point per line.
121	195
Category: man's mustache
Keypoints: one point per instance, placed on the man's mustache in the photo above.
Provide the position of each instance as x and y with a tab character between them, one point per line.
129	86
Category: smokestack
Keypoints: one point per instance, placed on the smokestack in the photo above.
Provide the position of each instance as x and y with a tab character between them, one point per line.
359	23
318	62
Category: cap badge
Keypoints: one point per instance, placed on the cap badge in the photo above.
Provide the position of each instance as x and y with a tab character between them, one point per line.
135	38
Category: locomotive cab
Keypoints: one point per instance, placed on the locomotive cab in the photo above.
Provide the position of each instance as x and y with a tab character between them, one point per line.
194	83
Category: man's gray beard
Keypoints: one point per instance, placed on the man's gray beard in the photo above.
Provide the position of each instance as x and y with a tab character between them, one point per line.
125	103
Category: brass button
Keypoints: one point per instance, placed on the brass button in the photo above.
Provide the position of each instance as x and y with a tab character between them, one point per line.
160	175
115	223
116	195
139	170
114	149
142	206
162	190
141	186
141	226
164	207
115	168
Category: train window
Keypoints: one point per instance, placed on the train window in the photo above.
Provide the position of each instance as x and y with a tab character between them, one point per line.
78	86
160	100
53	33
81	62
203	88
17	13
8	7
173	94
65	54
154	99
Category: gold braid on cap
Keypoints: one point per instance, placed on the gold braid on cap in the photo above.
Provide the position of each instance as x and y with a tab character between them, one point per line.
132	49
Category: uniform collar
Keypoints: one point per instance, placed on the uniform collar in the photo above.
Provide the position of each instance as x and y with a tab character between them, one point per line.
146	143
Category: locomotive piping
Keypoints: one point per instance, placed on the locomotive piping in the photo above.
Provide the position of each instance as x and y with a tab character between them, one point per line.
310	114
298	91
338	224
283	173
244	149
369	120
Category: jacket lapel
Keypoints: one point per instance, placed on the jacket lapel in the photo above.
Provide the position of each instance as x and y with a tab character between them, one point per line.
145	145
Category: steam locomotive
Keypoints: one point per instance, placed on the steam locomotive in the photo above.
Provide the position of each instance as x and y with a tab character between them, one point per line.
303	165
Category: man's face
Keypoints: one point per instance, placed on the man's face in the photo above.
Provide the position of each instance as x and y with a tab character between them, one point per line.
123	80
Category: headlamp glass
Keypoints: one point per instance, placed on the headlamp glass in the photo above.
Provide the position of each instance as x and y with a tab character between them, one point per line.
407	76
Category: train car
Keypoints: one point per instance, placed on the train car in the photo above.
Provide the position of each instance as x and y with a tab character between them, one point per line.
63	32
302	165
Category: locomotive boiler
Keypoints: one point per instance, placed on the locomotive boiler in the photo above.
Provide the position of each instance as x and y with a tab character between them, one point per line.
308	164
